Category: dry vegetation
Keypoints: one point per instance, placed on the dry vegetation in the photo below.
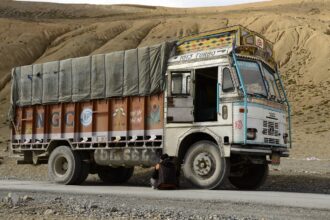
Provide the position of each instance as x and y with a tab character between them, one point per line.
38	32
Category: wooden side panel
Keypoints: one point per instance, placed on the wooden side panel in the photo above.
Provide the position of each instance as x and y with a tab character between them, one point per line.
86	119
137	116
68	120
117	119
27	124
155	114
54	117
39	122
17	129
101	116
101	120
118	114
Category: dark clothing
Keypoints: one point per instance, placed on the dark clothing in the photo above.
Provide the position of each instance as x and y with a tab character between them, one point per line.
167	175
155	174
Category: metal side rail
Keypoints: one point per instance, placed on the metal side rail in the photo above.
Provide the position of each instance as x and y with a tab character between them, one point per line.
279	81
242	87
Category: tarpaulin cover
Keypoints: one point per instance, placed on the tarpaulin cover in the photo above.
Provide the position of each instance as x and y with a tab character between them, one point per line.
50	85
65	81
37	84
131	73
81	78
136	72
98	76
114	68
26	85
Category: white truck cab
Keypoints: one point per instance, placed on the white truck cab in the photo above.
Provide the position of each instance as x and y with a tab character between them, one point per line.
226	111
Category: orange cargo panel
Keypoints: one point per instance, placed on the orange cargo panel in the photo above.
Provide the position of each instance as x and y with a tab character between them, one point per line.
109	120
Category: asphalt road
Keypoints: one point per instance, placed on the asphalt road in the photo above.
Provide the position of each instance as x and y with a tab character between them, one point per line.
301	200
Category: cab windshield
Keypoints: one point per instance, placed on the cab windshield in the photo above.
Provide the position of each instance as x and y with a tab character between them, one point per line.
272	88
259	80
252	77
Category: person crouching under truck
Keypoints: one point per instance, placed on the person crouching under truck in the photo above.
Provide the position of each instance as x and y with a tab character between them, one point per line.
166	174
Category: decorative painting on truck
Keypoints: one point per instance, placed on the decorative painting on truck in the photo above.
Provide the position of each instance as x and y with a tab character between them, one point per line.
108	118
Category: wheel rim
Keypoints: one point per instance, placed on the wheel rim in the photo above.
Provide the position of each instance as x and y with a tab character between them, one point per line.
61	166
203	165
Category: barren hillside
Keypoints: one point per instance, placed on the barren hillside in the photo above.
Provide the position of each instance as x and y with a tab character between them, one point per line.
39	32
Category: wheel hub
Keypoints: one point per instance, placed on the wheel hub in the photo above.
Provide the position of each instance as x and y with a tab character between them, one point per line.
61	166
203	164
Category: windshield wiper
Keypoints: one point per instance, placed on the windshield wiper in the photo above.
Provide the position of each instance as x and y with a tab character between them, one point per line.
273	98
260	95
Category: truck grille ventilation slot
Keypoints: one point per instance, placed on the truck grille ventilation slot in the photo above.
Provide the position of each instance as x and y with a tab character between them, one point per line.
271	141
270	128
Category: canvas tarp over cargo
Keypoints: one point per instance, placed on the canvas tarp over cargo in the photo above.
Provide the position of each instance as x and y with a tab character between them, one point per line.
136	72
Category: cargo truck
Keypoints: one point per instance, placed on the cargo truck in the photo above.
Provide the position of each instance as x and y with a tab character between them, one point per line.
214	100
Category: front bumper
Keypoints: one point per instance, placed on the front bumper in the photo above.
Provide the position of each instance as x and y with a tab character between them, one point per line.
259	150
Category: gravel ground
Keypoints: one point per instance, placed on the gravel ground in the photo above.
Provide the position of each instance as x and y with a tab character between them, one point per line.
59	206
294	175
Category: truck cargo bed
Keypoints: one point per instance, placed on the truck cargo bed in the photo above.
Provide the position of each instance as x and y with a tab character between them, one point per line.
114	122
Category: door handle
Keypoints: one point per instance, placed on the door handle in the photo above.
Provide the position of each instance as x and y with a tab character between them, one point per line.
218	97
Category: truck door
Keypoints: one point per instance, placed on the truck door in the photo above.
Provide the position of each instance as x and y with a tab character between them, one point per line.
180	106
226	90
206	86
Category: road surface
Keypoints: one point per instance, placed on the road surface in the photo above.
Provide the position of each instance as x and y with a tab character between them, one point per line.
287	199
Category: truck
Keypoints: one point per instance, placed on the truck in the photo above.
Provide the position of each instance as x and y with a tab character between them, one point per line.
213	100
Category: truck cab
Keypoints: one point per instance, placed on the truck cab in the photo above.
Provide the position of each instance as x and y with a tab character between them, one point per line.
230	99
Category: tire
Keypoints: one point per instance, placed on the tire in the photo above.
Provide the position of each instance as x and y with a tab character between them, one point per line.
64	166
204	167
253	176
112	175
84	171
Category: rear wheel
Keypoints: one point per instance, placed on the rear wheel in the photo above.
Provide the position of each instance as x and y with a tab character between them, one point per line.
84	171
252	176
204	166
115	175
64	165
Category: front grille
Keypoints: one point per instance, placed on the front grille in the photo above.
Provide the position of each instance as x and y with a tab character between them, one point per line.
270	128
271	141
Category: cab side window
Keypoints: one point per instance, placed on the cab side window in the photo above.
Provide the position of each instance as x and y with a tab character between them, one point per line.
180	83
227	81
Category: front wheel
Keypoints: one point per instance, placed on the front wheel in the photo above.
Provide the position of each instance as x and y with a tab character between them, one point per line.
252	176
204	166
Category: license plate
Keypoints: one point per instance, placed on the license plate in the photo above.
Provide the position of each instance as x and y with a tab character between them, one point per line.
276	159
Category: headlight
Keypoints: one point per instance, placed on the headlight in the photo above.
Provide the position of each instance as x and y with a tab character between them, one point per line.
251	133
